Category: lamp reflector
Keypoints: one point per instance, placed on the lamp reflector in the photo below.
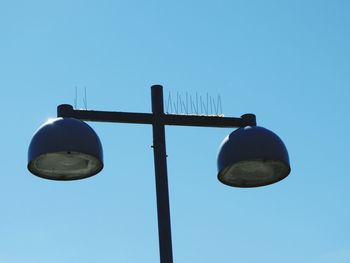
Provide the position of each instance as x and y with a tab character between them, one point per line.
253	173
65	165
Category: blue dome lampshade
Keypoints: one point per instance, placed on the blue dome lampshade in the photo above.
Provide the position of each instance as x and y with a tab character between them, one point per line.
65	149
252	157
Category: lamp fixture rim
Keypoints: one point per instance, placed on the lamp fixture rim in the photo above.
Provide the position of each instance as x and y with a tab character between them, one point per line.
30	167
288	167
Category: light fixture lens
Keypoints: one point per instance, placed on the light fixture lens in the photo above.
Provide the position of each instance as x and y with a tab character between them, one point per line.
253	173
65	165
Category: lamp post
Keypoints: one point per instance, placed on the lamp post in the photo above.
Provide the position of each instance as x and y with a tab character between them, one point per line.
67	148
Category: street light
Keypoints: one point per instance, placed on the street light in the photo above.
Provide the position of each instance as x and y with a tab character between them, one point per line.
251	157
66	148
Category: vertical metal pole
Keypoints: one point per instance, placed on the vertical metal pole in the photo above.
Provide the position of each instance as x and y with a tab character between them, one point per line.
161	174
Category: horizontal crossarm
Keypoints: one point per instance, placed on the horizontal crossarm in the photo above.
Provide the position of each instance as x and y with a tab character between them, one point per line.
66	110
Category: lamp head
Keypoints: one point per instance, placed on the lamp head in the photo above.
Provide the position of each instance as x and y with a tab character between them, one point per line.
252	157
65	149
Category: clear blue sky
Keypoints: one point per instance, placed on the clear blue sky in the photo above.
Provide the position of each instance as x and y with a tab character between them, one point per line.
286	61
